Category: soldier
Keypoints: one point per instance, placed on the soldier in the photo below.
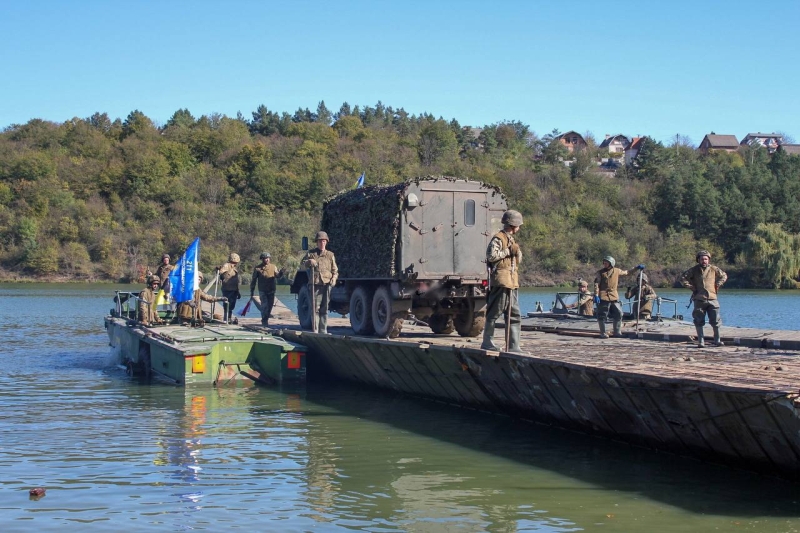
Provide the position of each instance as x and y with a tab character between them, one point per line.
322	263
192	311
163	271
266	275
585	303
606	296
648	295
147	303
229	281
705	280
504	257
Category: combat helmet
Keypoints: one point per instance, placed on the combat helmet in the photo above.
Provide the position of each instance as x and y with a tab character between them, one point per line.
610	260
155	279
702	253
321	235
233	258
264	255
512	218
583	283
163	256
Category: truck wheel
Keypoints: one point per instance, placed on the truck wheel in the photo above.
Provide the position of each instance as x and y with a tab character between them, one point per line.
470	323
386	324
361	311
304	308
441	324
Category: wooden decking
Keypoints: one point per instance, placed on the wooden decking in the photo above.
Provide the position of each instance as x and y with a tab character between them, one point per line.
742	366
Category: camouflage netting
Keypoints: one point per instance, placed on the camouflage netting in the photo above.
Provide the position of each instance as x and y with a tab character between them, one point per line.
363	226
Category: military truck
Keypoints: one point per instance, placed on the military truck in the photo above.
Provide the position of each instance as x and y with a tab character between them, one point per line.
415	248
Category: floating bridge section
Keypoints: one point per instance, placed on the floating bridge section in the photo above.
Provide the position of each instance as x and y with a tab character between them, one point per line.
734	405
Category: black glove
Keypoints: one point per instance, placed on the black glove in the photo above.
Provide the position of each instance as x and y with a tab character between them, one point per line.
238	295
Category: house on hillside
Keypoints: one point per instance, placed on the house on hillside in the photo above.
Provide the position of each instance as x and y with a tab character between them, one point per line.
789	149
572	140
615	144
770	141
633	149
713	142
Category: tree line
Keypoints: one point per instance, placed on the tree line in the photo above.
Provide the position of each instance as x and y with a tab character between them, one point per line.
101	199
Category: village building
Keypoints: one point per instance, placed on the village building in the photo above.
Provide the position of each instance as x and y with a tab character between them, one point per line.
615	144
713	142
789	149
572	140
633	149
770	141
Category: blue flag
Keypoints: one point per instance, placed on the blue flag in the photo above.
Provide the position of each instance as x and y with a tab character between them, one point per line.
360	182
183	278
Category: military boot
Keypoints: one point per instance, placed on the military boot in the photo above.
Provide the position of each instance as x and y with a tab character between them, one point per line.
513	339
618	328
717	340
701	343
602	325
488	337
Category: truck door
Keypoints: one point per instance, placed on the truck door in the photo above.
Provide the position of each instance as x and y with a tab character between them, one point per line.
437	233
470	233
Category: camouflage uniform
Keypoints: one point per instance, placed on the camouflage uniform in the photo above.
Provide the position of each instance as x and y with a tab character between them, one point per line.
229	283
266	277
605	286
162	273
504	287
648	296
585	303
704	282
192	311
325	275
147	314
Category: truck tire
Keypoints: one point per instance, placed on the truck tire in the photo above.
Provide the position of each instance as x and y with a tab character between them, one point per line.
469	323
304	308
386	323
441	324
361	311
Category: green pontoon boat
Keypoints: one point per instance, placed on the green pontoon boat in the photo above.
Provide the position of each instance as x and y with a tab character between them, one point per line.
217	353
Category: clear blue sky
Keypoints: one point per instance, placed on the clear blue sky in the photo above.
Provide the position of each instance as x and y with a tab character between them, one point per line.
656	68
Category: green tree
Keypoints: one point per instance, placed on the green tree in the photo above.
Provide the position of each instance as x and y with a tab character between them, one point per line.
436	141
777	252
323	114
137	122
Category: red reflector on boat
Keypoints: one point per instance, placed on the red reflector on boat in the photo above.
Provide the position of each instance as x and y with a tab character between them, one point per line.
293	360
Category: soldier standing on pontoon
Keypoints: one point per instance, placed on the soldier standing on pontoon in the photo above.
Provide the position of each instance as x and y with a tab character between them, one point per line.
322	262
504	256
266	277
705	280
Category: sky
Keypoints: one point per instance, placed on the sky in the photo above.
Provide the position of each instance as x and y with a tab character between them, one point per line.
657	68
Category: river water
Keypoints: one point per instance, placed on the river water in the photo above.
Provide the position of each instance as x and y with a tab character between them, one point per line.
118	455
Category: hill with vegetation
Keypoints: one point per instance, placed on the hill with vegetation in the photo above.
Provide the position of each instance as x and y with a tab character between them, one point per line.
102	199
